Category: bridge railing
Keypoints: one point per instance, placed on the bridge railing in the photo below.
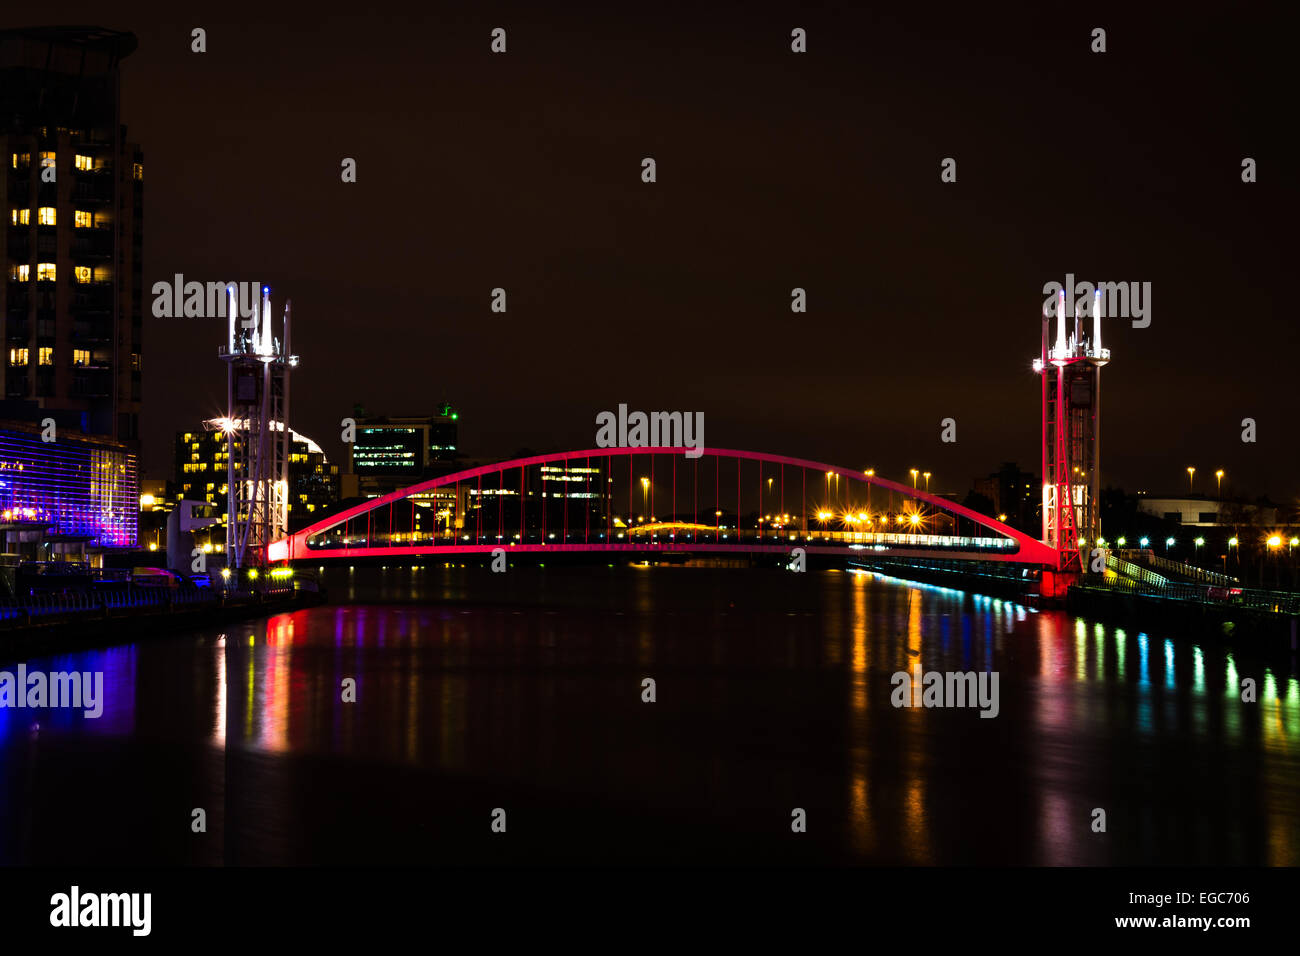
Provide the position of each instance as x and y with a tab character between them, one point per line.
633	535
1179	568
1278	602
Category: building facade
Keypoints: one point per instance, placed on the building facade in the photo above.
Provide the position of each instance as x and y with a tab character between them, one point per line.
201	474
71	498
393	452
71	194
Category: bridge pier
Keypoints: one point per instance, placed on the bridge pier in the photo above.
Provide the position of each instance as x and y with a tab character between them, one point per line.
1054	586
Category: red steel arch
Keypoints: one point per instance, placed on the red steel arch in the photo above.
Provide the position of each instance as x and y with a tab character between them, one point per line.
1027	550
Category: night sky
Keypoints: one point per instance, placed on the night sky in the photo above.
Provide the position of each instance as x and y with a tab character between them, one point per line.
775	170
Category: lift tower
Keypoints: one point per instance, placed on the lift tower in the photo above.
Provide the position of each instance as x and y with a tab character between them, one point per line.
257	437
1071	371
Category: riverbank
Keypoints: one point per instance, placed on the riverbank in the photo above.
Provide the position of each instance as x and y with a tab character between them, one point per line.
81	629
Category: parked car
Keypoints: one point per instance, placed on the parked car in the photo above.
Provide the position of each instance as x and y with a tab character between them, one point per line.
155	578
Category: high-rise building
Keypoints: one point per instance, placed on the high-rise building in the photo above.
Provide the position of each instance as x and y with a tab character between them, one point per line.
71	194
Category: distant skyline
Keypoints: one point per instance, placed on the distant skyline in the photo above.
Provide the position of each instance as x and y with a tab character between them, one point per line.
775	170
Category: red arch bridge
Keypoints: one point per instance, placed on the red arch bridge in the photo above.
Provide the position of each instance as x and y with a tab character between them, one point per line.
657	500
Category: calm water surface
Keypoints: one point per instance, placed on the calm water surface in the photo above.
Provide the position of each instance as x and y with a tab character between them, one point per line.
522	691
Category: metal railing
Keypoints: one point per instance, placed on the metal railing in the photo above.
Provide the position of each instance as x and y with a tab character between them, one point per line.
1178	568
1256	599
102	600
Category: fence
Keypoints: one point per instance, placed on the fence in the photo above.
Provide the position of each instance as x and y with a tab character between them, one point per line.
1255	599
98	602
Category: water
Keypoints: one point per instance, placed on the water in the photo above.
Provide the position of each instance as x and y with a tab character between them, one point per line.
523	691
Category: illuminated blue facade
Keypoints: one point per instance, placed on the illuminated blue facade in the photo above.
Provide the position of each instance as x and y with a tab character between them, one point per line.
79	486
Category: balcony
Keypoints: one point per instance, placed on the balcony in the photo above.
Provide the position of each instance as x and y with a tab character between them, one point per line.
18	298
91	382
92	244
94	189
92	332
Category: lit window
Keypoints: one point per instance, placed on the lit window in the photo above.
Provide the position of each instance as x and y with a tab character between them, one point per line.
81	356
84	162
137	171
82	219
135	359
20	217
47	356
45	272
82	273
22	160
48	158
46	216
19	356
20	273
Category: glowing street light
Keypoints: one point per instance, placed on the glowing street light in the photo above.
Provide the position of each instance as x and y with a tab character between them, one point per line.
1275	541
1218	476
914	474
1169	543
1143	542
645	494
927	482
1191	478
1122	541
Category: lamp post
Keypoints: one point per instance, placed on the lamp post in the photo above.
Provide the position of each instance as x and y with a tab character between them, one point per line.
1218	476
927	482
645	495
1191	479
914	474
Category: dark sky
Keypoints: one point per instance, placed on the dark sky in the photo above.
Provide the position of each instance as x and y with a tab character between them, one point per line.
775	170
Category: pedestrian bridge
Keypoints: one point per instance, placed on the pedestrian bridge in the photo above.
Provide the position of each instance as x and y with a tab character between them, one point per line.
656	500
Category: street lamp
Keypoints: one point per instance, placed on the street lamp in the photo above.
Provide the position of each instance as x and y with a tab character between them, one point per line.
1218	476
1169	543
914	474
1143	542
927	482
645	495
1191	478
870	473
